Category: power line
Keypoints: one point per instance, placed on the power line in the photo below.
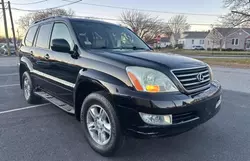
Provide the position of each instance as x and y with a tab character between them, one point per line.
19	9
29	2
147	10
113	19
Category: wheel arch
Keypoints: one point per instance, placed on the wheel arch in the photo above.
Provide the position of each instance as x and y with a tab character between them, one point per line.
90	81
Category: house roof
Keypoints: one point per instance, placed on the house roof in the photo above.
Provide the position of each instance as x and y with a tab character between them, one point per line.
226	31
247	30
195	35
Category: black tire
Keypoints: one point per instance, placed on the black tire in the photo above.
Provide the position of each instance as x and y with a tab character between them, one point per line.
32	98
117	138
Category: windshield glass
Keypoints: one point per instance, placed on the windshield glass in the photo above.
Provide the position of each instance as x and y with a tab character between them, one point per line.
94	35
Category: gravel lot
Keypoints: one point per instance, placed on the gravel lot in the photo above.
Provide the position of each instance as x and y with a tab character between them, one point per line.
46	133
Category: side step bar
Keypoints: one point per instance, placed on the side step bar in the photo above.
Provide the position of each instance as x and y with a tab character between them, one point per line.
62	105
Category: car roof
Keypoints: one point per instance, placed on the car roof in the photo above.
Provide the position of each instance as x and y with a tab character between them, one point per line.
69	19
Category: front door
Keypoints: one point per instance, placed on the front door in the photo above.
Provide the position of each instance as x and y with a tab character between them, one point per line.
62	69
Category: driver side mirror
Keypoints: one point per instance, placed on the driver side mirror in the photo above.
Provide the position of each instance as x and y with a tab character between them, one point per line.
60	45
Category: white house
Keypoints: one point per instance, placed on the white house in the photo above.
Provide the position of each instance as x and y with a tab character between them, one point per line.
164	42
192	38
228	38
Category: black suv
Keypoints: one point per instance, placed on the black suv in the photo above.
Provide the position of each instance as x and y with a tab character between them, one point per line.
113	83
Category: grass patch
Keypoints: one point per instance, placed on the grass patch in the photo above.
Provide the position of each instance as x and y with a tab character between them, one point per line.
227	62
203	52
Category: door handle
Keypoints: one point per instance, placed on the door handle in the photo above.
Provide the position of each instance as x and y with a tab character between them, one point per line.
46	56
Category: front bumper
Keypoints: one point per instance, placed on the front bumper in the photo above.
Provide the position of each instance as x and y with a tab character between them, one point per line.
187	111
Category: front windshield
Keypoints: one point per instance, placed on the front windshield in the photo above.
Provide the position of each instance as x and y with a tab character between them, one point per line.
94	35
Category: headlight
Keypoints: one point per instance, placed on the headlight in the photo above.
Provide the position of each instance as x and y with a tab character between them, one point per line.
149	80
210	72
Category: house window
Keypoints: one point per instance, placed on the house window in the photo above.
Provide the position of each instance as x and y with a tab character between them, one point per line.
232	41
235	41
207	42
201	41
192	41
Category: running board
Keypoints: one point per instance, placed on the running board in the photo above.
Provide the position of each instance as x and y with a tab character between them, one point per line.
62	105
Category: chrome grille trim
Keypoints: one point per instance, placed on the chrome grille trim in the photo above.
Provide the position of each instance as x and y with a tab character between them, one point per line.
187	78
186	75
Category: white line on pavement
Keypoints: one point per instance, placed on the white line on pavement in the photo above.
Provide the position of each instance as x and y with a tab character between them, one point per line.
23	108
9	85
10	74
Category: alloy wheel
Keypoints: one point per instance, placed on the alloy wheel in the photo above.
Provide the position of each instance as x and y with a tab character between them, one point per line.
26	87
98	124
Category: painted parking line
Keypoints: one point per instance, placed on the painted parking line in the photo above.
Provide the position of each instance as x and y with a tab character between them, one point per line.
10	74
9	85
23	108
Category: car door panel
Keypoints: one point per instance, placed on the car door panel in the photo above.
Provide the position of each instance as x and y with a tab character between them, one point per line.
58	67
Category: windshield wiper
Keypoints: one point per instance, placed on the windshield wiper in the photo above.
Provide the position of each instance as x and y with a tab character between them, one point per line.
134	48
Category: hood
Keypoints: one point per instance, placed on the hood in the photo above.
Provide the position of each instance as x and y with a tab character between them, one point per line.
142	58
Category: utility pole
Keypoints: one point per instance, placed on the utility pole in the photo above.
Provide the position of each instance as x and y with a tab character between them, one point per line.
5	27
12	26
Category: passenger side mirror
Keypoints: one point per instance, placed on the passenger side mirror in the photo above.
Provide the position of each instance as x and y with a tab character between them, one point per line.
60	45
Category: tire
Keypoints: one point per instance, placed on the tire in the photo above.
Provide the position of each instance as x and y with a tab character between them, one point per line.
115	141
28	89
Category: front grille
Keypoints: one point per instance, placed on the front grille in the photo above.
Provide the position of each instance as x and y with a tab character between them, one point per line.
184	117
190	82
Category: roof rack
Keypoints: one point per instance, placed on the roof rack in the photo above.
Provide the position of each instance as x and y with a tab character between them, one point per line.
46	19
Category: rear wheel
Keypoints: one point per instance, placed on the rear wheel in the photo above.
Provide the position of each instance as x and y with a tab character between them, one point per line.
28	89
101	125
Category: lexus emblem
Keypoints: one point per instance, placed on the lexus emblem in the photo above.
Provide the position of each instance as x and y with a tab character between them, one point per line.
200	77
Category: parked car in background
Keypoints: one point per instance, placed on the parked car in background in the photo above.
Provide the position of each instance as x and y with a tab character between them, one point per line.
197	47
1	44
4	50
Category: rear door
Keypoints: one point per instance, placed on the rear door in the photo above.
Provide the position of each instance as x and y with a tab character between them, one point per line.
40	54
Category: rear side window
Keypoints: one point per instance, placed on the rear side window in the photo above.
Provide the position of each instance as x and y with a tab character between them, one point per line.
44	36
30	36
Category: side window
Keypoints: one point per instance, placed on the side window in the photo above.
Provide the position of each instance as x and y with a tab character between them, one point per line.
30	36
61	31
44	36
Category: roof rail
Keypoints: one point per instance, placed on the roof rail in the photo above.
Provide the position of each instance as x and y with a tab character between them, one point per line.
46	19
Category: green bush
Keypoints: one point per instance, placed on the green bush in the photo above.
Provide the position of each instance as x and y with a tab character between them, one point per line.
208	49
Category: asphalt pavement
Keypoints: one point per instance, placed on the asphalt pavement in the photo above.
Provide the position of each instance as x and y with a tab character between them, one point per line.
46	133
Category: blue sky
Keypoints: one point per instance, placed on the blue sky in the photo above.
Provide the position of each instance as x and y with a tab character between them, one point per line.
188	6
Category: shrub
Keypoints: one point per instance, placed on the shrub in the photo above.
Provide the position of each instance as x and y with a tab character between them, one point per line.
169	46
179	46
229	49
215	49
238	50
208	49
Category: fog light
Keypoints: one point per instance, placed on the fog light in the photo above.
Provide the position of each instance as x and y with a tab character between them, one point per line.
156	119
218	103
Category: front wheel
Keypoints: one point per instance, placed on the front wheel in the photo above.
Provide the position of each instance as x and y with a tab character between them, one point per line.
101	125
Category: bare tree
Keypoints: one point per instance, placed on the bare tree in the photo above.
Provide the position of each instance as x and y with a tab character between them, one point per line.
215	39
239	15
144	25
178	24
25	21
